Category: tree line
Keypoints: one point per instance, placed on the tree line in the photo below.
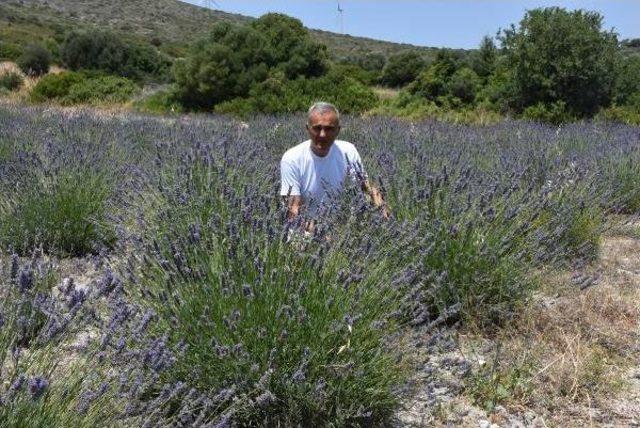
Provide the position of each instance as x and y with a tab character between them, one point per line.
554	65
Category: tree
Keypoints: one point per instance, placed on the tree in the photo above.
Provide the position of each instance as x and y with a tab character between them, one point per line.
234	58
560	56
402	68
372	61
484	60
464	85
35	60
433	83
291	47
627	80
107	52
222	66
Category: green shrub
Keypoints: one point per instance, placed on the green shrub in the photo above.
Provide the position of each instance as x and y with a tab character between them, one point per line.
232	60
109	53
65	214
83	88
279	95
101	90
552	113
161	102
402	68
627	80
27	320
464	85
55	86
552	58
11	81
372	61
290	47
356	72
35	60
624	114
290	325
623	177
9	51
414	107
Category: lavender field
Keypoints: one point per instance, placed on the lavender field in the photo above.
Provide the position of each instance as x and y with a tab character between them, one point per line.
148	276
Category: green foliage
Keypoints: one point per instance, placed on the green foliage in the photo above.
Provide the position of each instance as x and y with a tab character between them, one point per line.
464	85
356	72
499	381
65	213
55	86
101	90
402	68
624	176
161	102
413	107
9	51
555	113
431	84
484	59
286	323
624	114
35	60
372	61
498	91
11	81
222	66
627	89
76	88
446	84
290	46
560	56
107	52
279	95
233	59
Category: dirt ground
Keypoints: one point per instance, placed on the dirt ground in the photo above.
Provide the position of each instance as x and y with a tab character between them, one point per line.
571	360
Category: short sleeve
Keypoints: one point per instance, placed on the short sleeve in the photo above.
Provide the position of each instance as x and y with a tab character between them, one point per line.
290	186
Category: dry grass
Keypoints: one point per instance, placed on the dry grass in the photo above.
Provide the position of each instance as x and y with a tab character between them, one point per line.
22	94
570	355
385	93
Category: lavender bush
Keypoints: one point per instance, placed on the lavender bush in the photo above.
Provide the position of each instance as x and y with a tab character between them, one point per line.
214	313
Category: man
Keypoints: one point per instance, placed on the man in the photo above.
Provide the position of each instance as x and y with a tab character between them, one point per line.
316	167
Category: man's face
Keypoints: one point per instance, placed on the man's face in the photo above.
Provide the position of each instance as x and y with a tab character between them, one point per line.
323	128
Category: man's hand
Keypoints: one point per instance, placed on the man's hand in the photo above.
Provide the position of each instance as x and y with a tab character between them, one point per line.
293	210
293	206
376	198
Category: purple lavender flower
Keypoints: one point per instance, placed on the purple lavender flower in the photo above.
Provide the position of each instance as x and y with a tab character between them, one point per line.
37	386
15	266
247	291
26	280
16	385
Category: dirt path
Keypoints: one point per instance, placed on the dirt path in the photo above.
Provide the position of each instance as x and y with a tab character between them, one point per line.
573	360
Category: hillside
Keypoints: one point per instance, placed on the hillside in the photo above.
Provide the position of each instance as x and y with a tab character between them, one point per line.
171	23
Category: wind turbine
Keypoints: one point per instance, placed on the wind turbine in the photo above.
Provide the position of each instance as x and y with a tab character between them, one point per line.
340	18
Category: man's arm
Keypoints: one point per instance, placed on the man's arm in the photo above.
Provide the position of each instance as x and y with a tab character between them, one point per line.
367	187
293	206
376	197
293	203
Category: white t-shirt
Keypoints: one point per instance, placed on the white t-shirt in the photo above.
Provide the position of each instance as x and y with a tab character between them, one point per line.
304	173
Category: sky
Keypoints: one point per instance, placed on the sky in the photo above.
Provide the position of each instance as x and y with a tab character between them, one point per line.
437	23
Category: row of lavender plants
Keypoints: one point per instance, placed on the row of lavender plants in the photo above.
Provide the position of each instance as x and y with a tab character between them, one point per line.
208	313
